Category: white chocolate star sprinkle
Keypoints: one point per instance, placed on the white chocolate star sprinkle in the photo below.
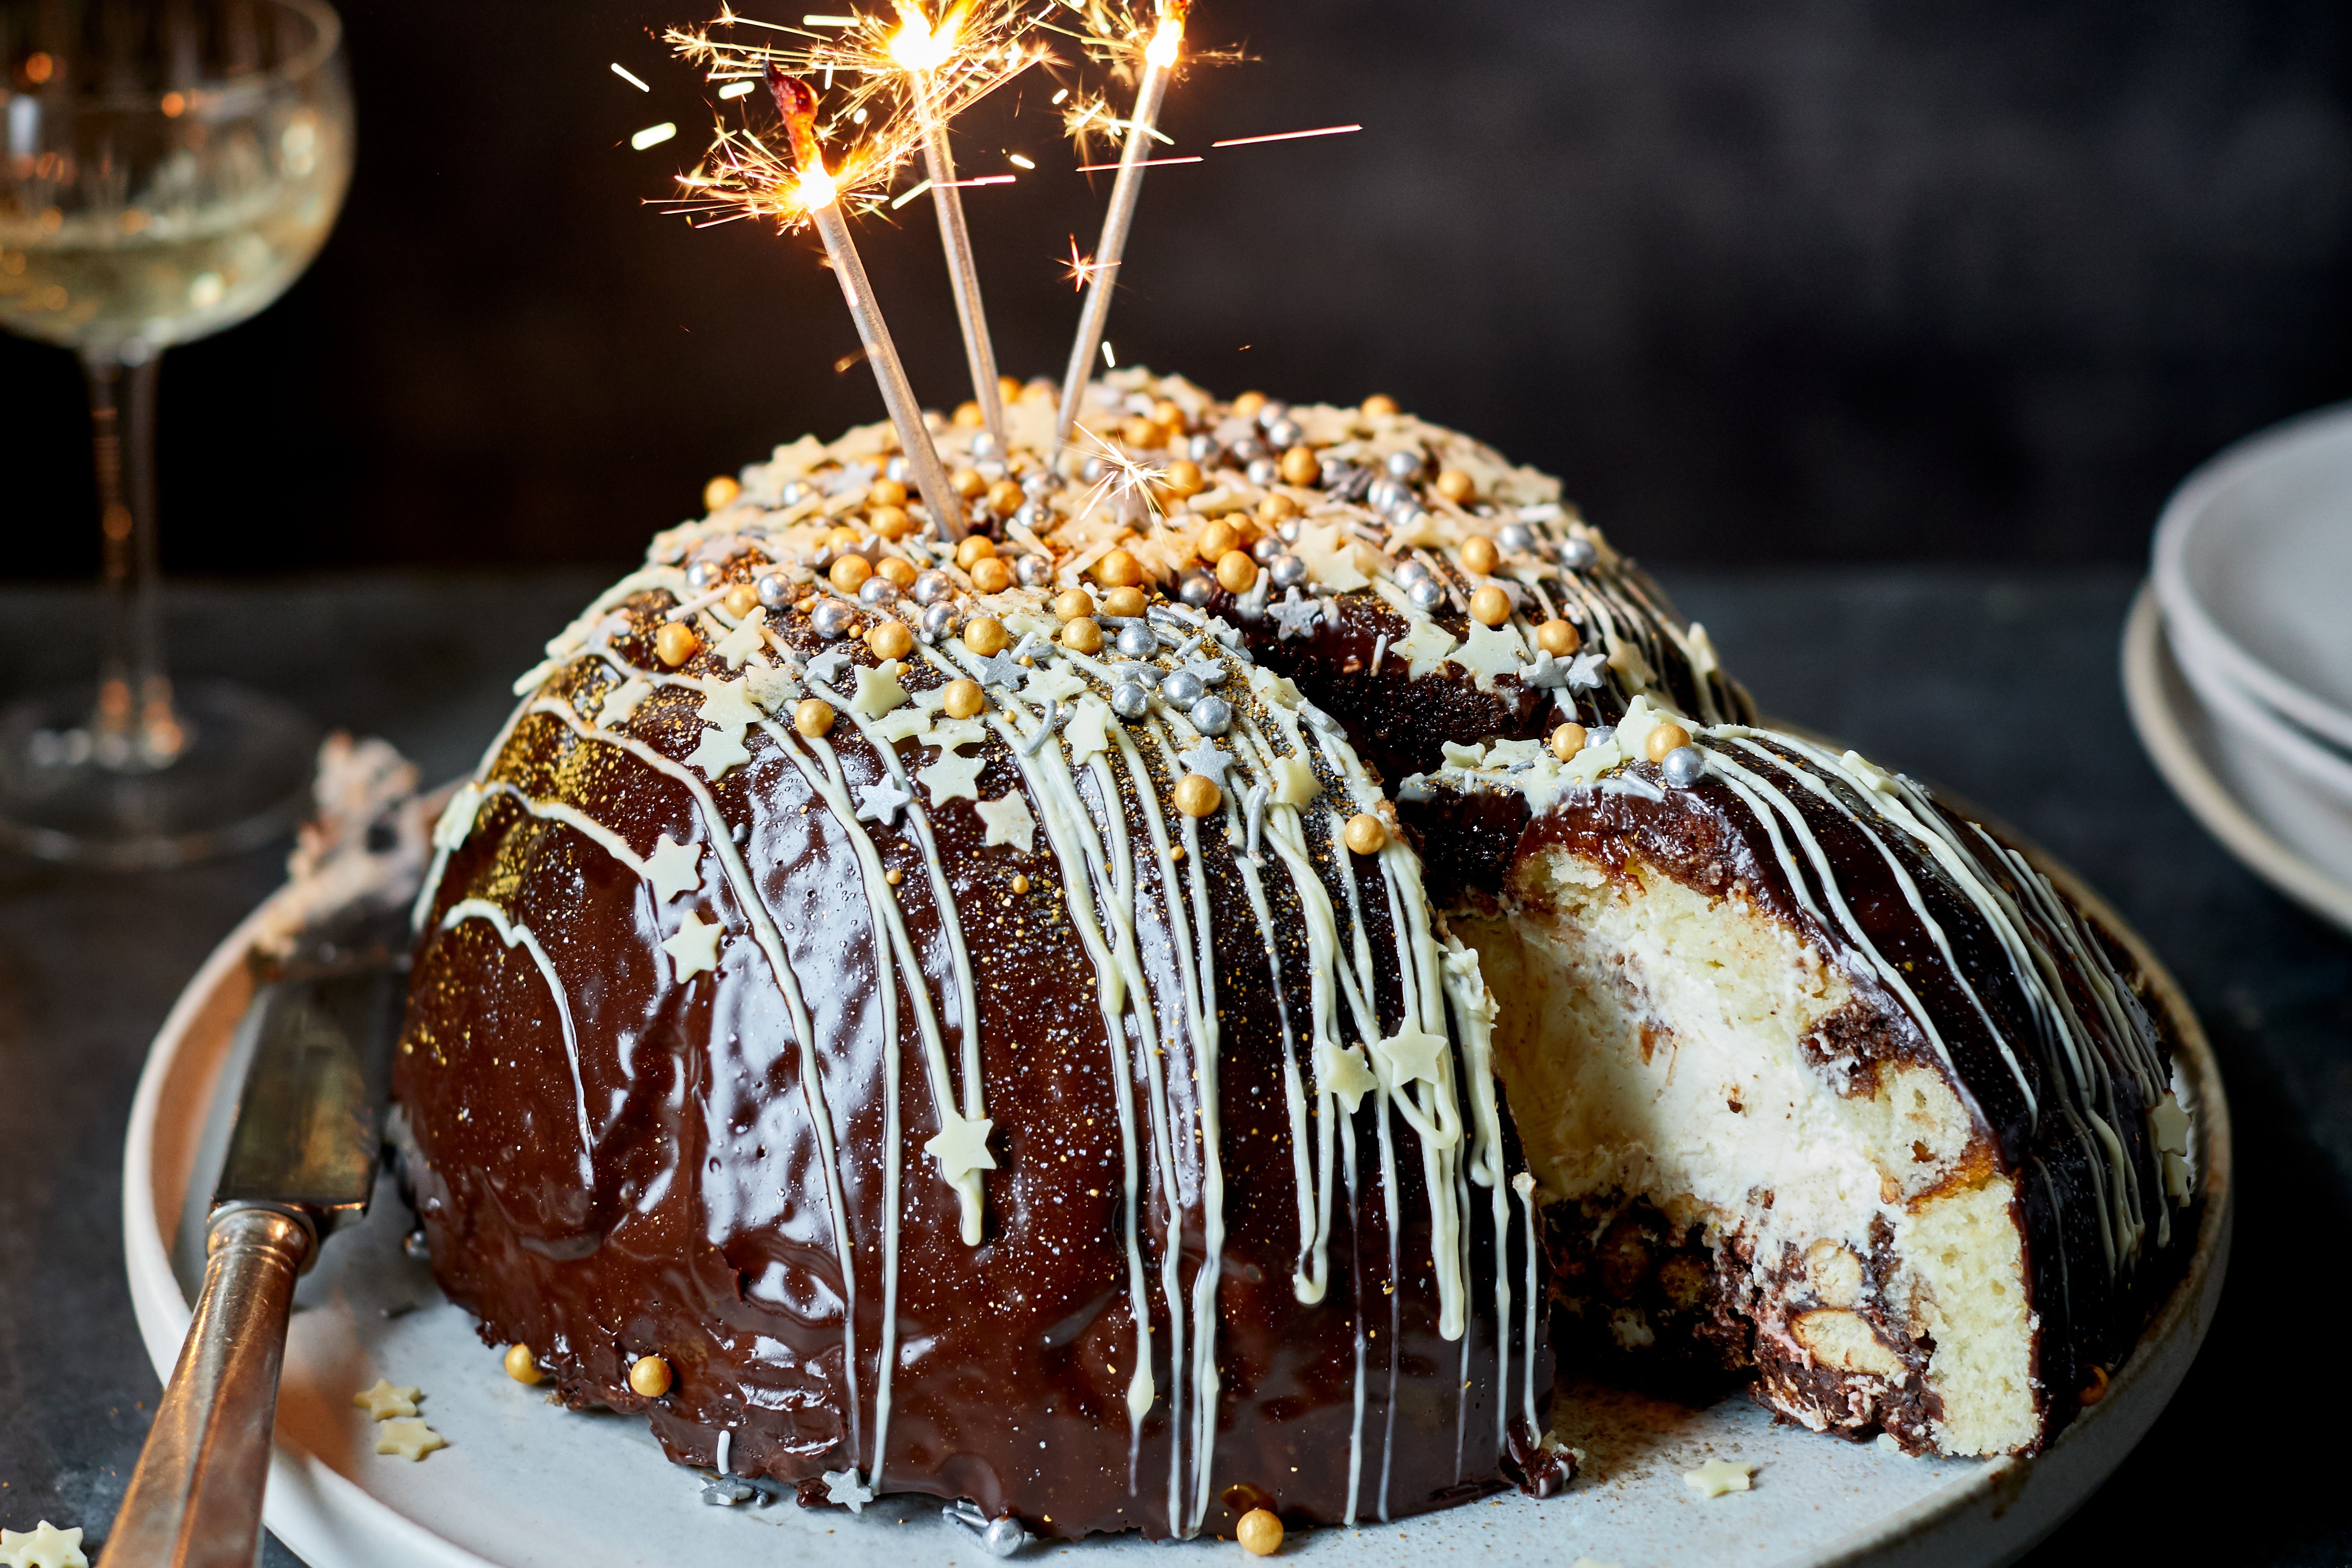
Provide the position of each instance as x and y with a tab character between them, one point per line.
827	666
718	752
1051	683
1294	783
747	639
2168	1124
1331	558
621	704
844	1490
1410	1056
1295	616
408	1438
1088	733
904	724
1009	822
960	1147
773	689
947	734
673	868
1717	1477
386	1400
1207	761
1584	674
43	1546
728	706
695	949
878	690
1425	648
1343	1074
1492	650
881	801
952	777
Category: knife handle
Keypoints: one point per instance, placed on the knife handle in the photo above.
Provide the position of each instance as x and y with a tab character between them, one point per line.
194	1501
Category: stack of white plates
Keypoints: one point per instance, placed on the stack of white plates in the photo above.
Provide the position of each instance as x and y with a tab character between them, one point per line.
2238	661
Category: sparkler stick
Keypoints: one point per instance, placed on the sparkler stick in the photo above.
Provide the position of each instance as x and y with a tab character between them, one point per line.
823	202
1158	59
921	50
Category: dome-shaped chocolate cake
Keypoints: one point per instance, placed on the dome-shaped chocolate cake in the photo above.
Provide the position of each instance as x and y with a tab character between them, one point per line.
1178	1003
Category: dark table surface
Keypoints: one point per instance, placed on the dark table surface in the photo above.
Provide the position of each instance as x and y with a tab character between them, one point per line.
2003	686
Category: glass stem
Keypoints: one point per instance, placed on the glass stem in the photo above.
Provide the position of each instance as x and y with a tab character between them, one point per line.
135	728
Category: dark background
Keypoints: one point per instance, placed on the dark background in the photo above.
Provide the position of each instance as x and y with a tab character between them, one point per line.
1820	280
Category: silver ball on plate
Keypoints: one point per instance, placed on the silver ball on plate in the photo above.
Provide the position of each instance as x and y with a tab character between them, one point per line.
1181	687
1577	554
1204	450
937	621
1284	433
1288	571
1213	716
1138	642
1197	589
1516	539
775	590
702	575
1428	594
1263	471
832	620
1034	570
877	593
1683	766
933	586
1404	464
1004	1537
1130	700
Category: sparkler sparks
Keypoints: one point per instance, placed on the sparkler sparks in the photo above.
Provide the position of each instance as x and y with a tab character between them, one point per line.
1081	270
1285	136
626	75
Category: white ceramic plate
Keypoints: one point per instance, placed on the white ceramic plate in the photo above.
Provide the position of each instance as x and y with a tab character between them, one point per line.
2276	813
2253	567
525	1484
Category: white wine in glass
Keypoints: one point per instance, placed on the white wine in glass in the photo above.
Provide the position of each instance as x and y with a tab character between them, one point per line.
167	169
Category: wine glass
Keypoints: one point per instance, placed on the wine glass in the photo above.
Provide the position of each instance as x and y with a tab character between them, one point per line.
167	169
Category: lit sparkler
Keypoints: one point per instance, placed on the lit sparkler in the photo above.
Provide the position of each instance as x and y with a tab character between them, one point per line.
1159	56
818	195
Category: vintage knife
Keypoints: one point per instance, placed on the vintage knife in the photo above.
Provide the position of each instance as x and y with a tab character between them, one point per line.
301	1165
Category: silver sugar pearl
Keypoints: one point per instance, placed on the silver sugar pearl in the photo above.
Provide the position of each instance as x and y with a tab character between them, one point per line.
1247	450
1130	700
1577	554
413	1245
1272	414
1284	433
1287	571
775	590
878	593
1427	594
1138	642
1263	471
1683	766
1204	449
1038	486
1034	570
984	446
1411	571
1213	716
932	587
1035	515
937	621
1409	517
1516	539
899	468
1004	1537
1143	675
1404	464
1289	531
832	619
1197	589
794	493
1091	470
1265	550
1181	687
702	575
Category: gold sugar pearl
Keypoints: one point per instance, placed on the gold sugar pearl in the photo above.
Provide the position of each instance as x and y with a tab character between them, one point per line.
1666	738
1274	509
675	643
1479	555
1559	638
1236	571
900	574
1259	1532
1567	741
1083	635
1041	393
1008	388
842	537
886	493
1166	413
2094	1390
894	876
649	1376
890	640
1300	465
1137	430
720	493
812	716
991	574
968	415
1380	405
1456	485
890	522
1491	605
1197	795
1183	480
1072	602
1177	854
1004	497
962	699
849	573
969	483
522	1366
742	600
1119	569
1247	405
1020	882
1215	540
1124	602
1365	833
976	547
986	636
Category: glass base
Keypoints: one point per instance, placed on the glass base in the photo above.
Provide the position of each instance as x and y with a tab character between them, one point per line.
241	776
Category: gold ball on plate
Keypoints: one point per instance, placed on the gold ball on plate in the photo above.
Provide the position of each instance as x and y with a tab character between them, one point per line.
649	1376
890	522
1183	480
1259	1532
890	640
1567	741
968	415
1365	833
1491	605
969	483
1559	638
963	699
985	636
812	716
1246	406
522	1366
1197	795
1276	507
1666	738
721	492
675	643
1004	497
1136	429
1020	881
1300	465
900	574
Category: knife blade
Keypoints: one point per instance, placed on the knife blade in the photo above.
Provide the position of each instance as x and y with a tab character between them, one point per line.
301	1165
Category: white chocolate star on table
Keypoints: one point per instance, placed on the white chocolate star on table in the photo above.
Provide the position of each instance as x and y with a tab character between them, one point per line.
1425	648
952	777
747	639
1343	1074
960	1147
878	690
695	949
1295	616
408	1438
673	868
1009	822
43	1546
844	1490
718	752
1410	1056
386	1400
1717	1477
